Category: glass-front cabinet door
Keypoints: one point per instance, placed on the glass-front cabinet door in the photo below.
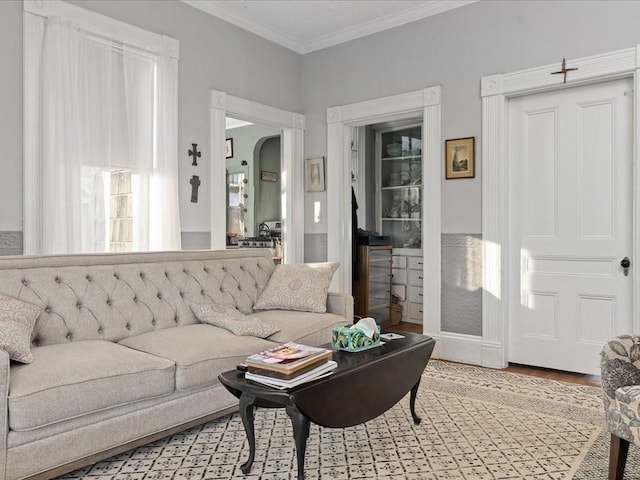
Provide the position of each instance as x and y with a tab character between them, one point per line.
399	177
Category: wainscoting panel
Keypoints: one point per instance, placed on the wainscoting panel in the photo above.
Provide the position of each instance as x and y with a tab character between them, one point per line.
10	243
462	283
196	240
315	247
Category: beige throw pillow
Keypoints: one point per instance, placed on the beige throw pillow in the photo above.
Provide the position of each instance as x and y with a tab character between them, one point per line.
298	286
17	320
229	318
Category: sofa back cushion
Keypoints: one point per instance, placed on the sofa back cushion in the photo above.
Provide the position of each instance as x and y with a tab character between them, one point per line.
115	296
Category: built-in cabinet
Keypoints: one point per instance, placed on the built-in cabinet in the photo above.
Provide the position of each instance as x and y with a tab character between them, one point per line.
372	286
399	199
407	283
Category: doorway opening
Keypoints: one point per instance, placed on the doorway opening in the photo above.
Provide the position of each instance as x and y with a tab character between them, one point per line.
342	120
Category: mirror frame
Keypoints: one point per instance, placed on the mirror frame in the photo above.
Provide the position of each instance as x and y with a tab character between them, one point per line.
292	127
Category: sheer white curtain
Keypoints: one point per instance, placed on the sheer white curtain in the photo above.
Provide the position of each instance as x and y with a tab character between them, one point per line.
106	106
164	219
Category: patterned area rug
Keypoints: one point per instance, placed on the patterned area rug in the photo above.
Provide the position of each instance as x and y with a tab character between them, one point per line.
476	424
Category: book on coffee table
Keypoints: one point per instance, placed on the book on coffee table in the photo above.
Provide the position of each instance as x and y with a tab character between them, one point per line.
288	359
320	371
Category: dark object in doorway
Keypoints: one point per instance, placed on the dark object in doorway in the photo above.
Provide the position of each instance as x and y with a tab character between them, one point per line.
195	183
195	154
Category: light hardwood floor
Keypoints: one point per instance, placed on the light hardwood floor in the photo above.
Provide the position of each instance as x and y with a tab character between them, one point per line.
593	380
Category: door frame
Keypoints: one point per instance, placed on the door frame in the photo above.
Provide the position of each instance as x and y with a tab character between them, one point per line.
426	104
292	175
496	90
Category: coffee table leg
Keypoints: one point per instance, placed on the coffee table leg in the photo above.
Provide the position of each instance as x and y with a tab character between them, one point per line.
247	415
412	403
300	434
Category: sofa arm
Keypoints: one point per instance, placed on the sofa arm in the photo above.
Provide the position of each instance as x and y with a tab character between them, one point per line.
620	363
4	411
340	304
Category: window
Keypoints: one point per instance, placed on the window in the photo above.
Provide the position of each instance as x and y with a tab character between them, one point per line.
101	169
121	212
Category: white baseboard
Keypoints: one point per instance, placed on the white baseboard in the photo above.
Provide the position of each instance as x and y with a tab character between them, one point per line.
492	355
458	347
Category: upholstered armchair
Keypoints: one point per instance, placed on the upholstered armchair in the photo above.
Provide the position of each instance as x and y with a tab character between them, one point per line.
620	363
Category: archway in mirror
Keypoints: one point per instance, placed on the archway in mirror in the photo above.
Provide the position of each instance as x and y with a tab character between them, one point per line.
288	127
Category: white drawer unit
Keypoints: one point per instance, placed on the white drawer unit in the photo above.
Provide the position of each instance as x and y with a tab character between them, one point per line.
399	261
399	276
415	311
415	277
408	284
415	294
415	263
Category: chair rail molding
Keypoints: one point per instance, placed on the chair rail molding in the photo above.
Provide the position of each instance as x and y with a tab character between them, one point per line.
292	125
425	104
496	90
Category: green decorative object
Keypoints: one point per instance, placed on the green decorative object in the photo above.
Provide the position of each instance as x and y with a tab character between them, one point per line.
353	340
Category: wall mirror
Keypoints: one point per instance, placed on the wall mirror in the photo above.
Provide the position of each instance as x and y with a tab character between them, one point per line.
289	127
254	183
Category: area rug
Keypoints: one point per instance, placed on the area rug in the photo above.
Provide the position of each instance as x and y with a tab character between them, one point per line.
476	424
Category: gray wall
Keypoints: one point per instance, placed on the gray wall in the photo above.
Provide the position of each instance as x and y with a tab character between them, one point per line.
213	55
455	49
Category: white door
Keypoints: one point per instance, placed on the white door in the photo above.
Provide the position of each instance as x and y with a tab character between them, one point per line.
570	214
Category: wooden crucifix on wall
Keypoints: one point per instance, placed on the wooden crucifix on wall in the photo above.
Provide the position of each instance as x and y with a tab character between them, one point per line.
563	70
195	154
195	183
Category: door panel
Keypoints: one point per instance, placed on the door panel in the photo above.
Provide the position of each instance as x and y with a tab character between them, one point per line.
570	223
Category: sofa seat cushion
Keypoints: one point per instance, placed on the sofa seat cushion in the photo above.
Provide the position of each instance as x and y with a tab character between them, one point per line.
201	352
69	380
302	327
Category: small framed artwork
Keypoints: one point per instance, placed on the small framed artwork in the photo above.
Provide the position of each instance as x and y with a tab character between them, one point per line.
268	176
314	174
460	158
229	148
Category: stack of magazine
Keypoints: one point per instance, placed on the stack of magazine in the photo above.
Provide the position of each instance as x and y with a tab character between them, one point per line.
289	365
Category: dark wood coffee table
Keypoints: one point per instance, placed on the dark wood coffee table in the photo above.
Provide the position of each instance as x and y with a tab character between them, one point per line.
363	386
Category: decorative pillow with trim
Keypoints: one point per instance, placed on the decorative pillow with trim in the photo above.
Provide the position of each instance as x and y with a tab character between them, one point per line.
298	286
17	320
236	322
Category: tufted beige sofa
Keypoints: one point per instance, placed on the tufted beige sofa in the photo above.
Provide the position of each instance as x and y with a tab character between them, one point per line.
120	359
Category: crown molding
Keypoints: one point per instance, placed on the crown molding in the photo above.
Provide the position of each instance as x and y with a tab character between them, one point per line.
428	9
425	10
229	15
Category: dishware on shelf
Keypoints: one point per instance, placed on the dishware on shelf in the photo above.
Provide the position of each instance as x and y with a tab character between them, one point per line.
394	149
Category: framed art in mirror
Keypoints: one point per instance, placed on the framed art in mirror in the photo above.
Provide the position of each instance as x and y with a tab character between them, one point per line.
228	148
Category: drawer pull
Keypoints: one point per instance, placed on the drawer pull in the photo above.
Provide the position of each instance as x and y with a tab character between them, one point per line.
420	263
420	295
420	311
419	278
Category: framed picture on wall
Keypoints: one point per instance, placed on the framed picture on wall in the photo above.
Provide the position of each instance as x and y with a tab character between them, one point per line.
268	176
229	148
460	158
314	174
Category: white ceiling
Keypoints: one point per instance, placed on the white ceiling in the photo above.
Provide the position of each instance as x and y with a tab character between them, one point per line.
308	25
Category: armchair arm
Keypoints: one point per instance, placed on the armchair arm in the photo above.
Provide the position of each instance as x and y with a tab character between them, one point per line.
340	304
620	363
